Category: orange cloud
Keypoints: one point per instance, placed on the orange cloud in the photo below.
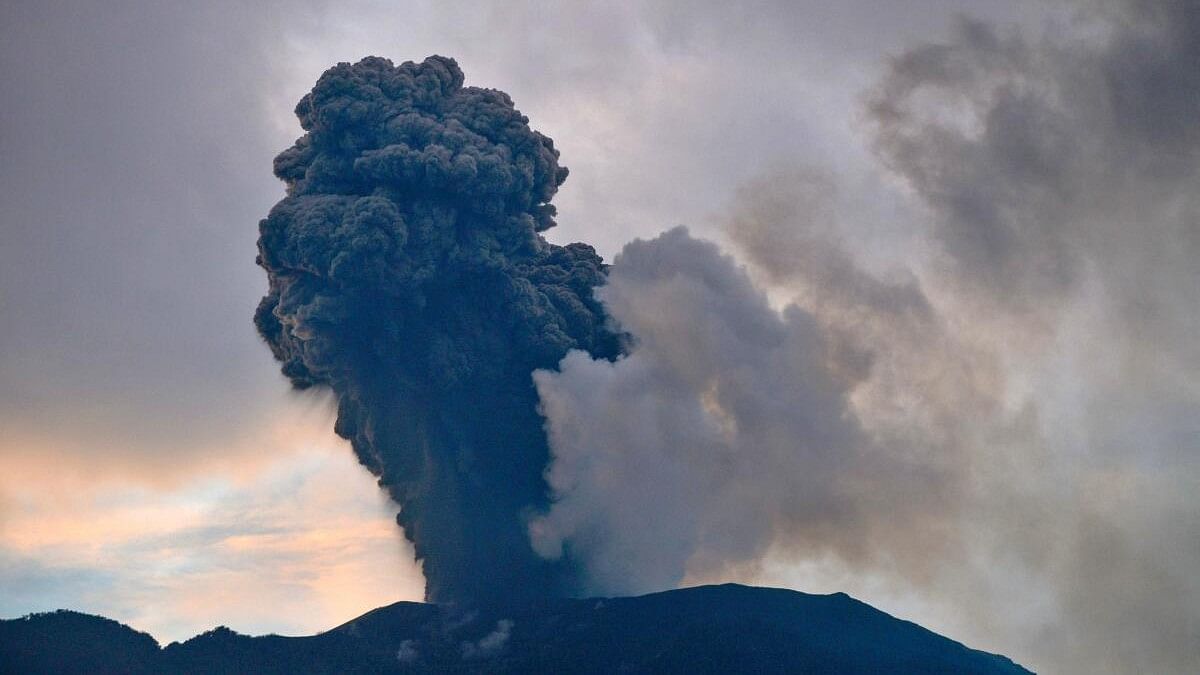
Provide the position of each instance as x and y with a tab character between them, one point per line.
282	533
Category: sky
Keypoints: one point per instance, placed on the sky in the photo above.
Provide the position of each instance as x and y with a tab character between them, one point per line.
928	336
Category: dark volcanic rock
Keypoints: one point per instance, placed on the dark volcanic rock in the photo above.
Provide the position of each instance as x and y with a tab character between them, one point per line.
724	629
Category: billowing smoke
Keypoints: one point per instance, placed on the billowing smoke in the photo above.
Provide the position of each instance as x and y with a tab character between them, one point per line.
407	274
1003	425
736	430
742	424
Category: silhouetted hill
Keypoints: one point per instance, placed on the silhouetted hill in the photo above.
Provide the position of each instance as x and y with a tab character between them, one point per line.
68	642
727	628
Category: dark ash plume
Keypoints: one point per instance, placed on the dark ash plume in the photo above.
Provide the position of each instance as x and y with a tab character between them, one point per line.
408	275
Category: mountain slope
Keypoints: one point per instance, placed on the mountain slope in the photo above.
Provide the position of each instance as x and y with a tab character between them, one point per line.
727	628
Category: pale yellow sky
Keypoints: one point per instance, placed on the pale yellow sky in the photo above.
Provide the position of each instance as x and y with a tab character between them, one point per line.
282	532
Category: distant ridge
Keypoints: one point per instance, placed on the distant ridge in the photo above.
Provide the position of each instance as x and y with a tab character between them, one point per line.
707	629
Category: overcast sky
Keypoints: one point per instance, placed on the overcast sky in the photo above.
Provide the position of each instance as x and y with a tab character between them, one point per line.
1023	172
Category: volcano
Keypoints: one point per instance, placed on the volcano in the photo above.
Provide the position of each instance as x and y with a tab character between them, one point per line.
708	629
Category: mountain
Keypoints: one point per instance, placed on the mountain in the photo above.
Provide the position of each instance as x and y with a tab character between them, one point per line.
708	629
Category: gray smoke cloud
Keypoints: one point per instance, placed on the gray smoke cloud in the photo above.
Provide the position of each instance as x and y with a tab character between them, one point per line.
1007	427
1046	161
720	393
1051	540
742	427
1062	196
408	275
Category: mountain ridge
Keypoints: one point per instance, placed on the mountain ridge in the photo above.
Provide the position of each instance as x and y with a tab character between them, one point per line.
721	628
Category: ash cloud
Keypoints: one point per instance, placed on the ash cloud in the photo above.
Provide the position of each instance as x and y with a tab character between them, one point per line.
1006	428
737	432
1045	160
1062	197
409	276
1046	471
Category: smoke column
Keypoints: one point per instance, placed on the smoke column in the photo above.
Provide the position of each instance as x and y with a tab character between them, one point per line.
407	275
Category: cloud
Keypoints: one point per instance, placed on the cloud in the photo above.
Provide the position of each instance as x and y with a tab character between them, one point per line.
1059	174
736	432
1016	408
131	176
297	545
1024	437
1043	161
